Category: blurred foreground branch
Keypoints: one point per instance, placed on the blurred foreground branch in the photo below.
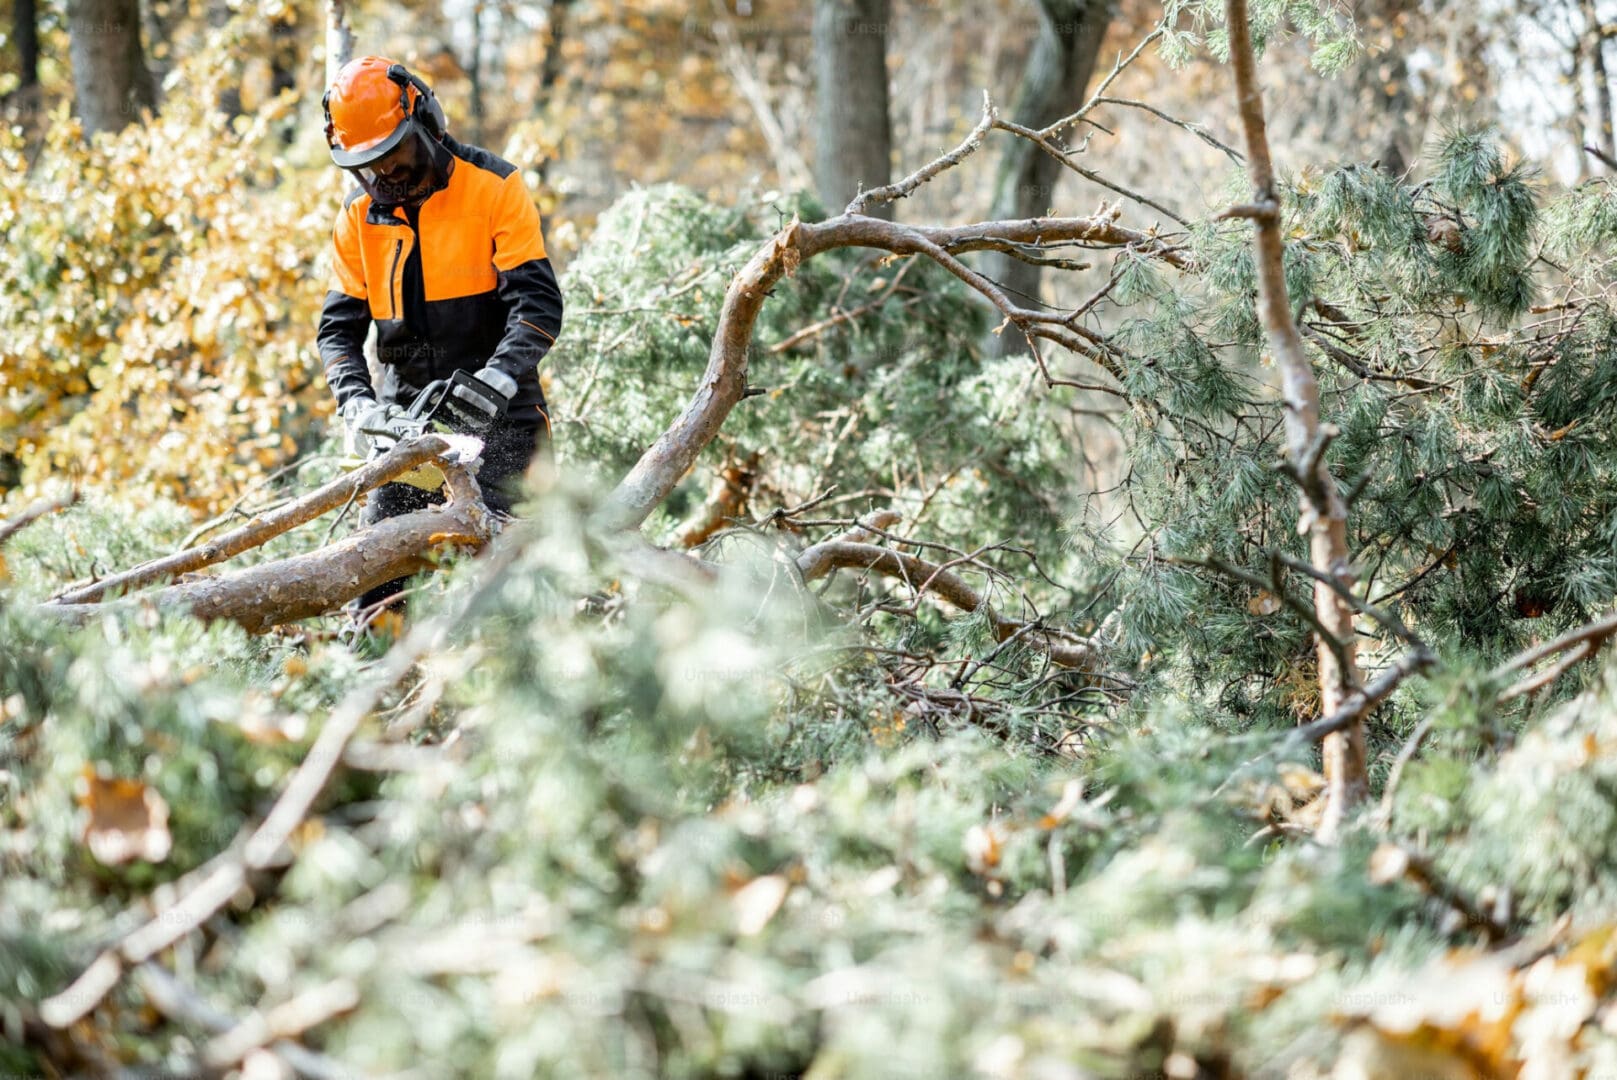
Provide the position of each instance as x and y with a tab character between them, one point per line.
221	880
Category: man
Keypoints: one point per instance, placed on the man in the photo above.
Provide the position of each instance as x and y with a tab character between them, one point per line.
440	246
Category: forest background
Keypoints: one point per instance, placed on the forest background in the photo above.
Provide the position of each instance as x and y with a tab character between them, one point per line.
1089	644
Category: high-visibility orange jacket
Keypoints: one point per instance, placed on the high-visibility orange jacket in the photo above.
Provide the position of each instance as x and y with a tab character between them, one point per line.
459	281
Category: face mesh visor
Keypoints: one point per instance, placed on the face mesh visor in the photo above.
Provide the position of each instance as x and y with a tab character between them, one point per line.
406	180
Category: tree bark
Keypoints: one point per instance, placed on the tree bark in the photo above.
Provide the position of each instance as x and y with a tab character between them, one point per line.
339	39
550	69
1577	124
1324	514
854	141
1053	86
474	75
111	81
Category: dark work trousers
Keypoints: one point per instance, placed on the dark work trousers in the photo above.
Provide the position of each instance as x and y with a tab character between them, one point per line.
507	451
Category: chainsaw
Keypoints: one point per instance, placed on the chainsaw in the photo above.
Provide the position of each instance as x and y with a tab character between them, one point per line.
444	408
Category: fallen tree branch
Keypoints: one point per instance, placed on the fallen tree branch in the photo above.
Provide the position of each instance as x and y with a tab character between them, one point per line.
1575	656
282	1023
1195	129
1594	633
901	190
724	382
818	560
32	513
234	509
1392	862
302	586
401	459
726	500
815	329
1065	158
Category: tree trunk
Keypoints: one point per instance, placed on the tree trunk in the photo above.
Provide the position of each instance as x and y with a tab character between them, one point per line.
474	74
854	141
1597	63
550	70
339	39
1384	91
1324	513
110	78
1577	124
1053	86
25	30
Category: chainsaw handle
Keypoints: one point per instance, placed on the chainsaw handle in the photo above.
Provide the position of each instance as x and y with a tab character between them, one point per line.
427	401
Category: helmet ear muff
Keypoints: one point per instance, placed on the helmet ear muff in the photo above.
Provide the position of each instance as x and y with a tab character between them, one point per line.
426	109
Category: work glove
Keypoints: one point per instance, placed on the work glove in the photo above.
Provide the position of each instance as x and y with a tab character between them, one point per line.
371	427
477	405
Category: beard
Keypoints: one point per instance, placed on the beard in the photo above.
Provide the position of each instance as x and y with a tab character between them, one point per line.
406	185
403	186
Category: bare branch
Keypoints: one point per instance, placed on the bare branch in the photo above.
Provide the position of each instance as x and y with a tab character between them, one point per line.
1573	647
1391	862
1323	512
1065	648
902	189
43	508
1601	156
1195	129
1595	632
179	1002
1042	141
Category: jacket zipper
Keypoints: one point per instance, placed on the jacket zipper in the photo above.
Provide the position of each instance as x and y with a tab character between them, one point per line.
395	293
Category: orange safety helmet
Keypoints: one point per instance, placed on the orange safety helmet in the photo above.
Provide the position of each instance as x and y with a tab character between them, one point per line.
371	107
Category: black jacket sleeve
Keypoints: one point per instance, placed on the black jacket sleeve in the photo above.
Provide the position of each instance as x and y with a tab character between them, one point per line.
344	322
346	317
527	284
534	298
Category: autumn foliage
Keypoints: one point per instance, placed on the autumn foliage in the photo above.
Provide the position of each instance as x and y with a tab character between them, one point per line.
162	287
